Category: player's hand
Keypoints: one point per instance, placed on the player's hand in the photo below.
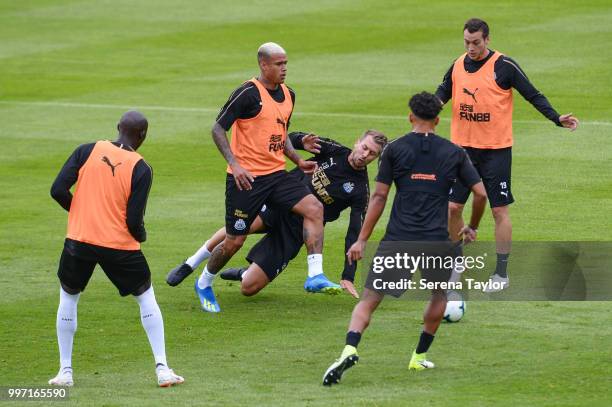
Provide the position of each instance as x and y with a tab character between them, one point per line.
569	121
242	177
307	167
311	143
468	234
350	287
356	251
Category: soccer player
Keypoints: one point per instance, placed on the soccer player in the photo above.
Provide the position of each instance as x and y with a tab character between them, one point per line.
105	227
258	113
423	167
341	181
480	83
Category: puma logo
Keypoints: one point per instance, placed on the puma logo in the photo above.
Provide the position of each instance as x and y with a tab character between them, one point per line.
279	121
504	194
110	164
472	94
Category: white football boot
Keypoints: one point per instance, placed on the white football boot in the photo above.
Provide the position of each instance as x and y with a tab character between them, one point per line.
63	378
166	377
496	284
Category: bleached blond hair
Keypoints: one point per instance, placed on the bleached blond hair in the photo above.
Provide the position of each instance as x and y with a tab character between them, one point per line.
268	49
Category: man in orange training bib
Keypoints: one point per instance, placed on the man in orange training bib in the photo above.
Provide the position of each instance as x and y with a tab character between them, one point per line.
258	114
480	84
105	227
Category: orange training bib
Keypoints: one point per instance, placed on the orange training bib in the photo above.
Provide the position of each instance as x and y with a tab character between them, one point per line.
98	210
259	143
482	111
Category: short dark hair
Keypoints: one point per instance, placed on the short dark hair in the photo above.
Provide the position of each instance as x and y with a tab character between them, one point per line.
133	124
476	24
425	106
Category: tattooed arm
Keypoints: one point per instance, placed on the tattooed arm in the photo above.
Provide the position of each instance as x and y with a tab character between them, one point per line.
290	152
242	177
308	167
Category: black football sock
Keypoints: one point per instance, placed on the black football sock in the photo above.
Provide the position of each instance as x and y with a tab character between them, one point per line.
424	342
353	338
458	250
502	264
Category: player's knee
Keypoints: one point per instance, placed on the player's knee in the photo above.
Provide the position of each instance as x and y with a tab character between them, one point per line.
315	209
234	243
143	288
249	290
455	210
500	213
69	290
370	301
438	296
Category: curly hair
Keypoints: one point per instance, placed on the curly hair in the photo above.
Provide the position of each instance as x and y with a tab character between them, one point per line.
425	106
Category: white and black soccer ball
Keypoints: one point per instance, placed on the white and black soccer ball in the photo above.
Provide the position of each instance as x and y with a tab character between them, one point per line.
455	307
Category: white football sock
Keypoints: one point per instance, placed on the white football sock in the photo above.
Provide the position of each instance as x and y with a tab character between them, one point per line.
66	324
153	323
206	278
202	254
455	275
244	273
315	264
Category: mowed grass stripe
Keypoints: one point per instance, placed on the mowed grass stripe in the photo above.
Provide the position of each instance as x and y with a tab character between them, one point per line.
360	116
353	65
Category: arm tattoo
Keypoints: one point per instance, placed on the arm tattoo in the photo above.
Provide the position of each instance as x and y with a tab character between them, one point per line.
290	151
220	138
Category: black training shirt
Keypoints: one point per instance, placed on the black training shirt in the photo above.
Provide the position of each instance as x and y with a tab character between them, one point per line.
245	103
338	186
142	177
508	75
423	168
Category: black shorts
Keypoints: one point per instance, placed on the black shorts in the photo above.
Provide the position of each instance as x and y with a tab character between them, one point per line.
278	191
494	167
281	243
389	278
127	269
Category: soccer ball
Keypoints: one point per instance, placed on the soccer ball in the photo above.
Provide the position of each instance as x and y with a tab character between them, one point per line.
455	307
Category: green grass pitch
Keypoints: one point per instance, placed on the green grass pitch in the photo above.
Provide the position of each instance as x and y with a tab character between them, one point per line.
69	69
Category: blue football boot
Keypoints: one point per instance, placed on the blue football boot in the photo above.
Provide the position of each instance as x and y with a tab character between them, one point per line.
321	284
207	298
